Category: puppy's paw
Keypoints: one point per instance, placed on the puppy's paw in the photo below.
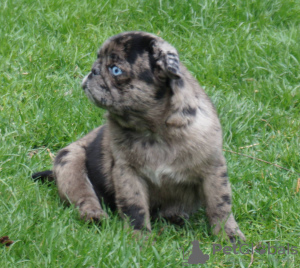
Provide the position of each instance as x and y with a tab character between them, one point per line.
234	234
93	215
91	212
231	229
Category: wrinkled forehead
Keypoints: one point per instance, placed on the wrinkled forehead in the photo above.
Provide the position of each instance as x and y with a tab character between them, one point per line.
128	46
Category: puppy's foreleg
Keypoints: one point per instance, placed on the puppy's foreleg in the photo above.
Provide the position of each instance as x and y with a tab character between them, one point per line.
217	194
131	196
73	183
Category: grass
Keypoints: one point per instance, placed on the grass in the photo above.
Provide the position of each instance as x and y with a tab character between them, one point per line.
245	54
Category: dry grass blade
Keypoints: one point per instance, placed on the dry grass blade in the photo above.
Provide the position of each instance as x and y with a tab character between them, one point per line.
252	254
298	186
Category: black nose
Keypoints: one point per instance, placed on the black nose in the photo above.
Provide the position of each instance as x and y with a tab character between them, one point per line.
95	71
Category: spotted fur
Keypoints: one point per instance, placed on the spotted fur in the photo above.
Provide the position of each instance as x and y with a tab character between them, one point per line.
160	152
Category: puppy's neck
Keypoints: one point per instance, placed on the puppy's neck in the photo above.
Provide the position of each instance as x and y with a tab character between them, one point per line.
131	123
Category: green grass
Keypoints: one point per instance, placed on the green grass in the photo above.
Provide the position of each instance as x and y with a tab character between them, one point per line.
245	54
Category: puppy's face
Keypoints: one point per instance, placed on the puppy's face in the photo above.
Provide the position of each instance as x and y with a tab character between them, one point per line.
132	74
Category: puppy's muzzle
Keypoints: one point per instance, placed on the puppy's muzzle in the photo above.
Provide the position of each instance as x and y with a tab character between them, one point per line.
94	71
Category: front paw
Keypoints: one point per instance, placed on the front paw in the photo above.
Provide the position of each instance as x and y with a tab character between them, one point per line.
91	211
93	215
234	234
231	229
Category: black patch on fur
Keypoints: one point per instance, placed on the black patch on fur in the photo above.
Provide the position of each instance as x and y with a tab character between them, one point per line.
146	76
172	55
132	111
220	205
127	138
151	141
114	57
226	199
135	46
173	69
94	165
135	213
224	175
160	93
225	182
43	176
189	111
59	158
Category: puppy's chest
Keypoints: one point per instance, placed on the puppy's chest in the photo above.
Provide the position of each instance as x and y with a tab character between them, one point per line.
163	174
159	162
163	166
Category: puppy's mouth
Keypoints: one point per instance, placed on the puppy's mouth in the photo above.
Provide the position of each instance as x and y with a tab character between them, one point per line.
89	95
101	102
97	97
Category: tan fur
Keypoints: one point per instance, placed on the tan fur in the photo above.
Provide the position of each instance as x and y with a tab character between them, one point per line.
161	149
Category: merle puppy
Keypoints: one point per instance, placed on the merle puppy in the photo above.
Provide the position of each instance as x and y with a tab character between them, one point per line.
160	152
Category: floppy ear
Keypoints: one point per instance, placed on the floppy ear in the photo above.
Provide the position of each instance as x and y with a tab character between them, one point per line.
166	57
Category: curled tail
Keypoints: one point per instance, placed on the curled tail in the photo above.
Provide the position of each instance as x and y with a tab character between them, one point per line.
43	176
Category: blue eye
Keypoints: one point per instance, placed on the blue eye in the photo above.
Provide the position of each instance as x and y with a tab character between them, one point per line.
114	70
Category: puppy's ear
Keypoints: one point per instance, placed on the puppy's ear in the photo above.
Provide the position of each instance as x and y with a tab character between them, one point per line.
166	58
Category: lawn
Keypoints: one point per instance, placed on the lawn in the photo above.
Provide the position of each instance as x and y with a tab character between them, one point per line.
246	54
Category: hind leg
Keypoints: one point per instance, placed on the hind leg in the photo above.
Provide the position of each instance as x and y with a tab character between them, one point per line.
73	183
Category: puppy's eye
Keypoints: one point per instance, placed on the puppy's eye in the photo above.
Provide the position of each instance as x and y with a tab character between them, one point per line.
115	71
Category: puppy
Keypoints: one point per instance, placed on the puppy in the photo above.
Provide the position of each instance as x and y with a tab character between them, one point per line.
160	152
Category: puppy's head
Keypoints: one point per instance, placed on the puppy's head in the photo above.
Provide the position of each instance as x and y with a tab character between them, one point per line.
133	74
